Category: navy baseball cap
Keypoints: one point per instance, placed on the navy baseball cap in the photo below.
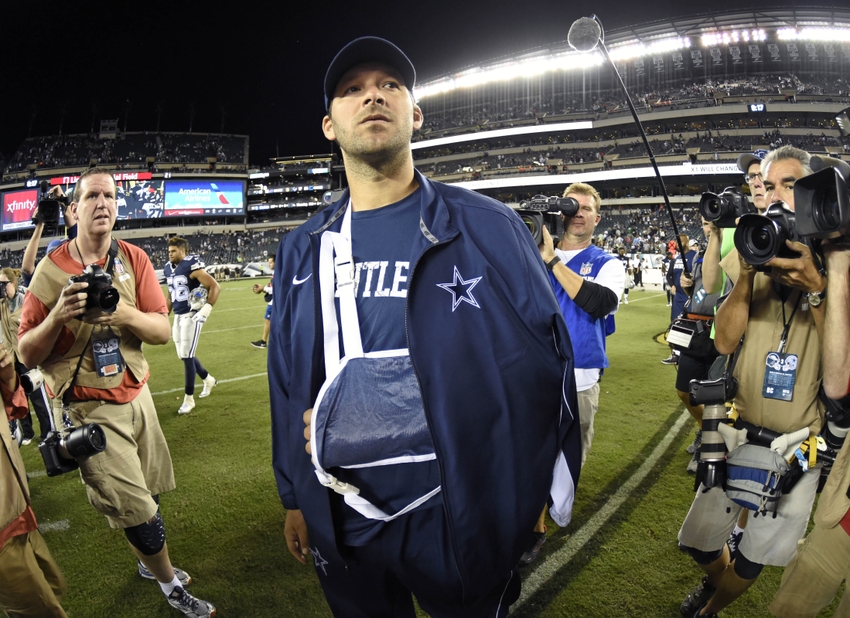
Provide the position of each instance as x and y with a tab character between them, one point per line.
746	160
361	51
54	244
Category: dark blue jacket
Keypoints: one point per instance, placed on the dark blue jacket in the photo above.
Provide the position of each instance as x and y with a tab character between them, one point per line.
496	378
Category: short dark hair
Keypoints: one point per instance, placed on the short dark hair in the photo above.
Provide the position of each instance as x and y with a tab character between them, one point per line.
179	242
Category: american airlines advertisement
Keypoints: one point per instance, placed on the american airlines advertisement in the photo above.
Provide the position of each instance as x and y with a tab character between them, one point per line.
193	198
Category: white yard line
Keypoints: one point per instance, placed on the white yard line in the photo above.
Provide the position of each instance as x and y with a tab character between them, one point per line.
239	379
554	562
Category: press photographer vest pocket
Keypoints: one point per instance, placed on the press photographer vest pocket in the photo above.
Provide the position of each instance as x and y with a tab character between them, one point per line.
369	412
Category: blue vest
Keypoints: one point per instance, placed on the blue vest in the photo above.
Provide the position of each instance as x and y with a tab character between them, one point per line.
587	333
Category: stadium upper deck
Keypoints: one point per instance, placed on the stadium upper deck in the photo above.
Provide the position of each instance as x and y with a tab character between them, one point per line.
707	88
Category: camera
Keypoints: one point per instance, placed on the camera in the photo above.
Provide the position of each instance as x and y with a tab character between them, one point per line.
48	209
61	449
542	210
822	200
724	209
32	381
761	237
101	294
713	395
836	428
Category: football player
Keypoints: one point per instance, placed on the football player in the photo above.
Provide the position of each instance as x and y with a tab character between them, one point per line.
192	292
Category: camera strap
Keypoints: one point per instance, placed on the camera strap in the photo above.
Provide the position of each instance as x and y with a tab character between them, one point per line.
66	396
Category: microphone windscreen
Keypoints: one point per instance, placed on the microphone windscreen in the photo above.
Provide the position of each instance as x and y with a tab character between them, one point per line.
44	185
584	34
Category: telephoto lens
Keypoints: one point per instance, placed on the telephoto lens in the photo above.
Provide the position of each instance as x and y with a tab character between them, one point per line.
712	394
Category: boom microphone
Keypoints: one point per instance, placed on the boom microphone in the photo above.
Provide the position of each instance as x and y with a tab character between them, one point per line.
584	34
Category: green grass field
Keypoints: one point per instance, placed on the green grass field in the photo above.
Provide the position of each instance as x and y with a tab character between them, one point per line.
225	521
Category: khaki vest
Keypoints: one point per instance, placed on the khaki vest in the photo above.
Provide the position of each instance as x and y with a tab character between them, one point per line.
47	283
9	321
764	329
13	478
834	503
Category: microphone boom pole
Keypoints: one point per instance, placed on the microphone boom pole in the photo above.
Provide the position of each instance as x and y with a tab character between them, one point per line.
581	38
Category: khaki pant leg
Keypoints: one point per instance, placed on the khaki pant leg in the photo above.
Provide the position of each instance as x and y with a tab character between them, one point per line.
588	404
813	576
31	580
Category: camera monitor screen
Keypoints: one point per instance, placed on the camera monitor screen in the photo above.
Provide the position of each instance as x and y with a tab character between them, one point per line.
192	198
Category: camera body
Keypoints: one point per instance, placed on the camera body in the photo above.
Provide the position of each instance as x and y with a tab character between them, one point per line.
60	450
48	210
822	200
761	237
542	210
725	208
713	395
101	294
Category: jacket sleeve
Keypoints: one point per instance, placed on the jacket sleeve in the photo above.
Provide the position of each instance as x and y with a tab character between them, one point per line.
568	461
279	367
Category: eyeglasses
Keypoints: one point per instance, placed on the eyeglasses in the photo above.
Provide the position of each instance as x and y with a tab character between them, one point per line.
4	282
750	178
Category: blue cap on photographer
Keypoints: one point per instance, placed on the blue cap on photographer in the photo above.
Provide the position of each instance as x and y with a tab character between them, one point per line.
746	160
53	244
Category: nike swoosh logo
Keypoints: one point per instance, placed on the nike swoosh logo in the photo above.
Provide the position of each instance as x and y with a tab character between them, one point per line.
297	281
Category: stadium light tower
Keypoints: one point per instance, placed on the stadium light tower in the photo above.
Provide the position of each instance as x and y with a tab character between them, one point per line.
585	35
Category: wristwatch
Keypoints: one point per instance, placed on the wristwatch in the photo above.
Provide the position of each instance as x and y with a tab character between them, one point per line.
815	298
551	263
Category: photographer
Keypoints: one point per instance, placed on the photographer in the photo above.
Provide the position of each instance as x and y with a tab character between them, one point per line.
28	263
782	314
31	580
696	360
822	563
587	282
11	302
97	355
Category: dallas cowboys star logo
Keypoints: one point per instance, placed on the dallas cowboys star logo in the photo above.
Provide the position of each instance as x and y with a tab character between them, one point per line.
461	290
318	560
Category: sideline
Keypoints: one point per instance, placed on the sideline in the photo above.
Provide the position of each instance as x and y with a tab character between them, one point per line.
637	300
54	526
226	330
554	562
239	379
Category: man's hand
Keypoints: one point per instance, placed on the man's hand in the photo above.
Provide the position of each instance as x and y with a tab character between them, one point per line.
308	417
685	281
71	303
295	533
547	248
7	370
200	316
800	273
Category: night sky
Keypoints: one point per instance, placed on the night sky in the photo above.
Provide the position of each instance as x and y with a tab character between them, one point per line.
71	64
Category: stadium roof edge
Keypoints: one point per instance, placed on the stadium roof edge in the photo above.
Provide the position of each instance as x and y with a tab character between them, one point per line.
686	26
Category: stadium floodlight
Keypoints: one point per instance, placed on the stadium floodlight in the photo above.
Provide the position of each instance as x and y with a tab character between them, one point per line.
506	71
814	34
713	39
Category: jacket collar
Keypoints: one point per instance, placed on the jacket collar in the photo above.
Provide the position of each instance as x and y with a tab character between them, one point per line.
434	217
